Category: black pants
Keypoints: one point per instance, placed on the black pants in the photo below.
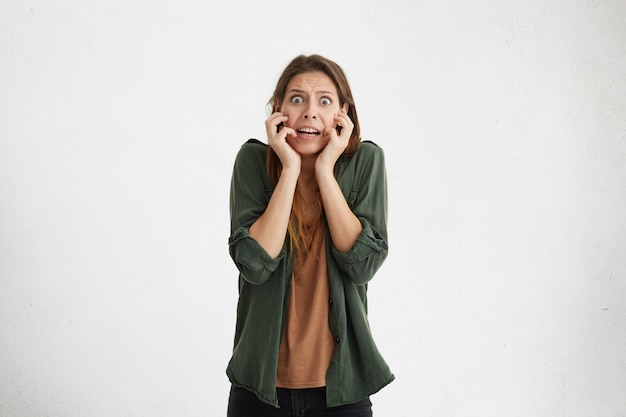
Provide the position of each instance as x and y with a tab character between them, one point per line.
293	403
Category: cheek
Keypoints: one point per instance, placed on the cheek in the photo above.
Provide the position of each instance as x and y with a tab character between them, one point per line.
292	116
329	119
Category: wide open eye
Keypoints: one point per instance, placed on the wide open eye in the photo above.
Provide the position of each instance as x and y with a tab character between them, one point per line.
326	101
297	100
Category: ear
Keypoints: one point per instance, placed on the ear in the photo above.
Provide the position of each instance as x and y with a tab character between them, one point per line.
345	107
277	106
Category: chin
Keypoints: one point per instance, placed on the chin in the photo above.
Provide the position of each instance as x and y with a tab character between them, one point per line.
309	147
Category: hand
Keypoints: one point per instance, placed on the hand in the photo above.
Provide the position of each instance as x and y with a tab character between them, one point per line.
277	140
337	143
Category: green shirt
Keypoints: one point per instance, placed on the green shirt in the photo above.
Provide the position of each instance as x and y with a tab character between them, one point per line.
357	369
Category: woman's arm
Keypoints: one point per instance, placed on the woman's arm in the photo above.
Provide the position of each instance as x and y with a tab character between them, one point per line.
363	180
270	228
249	195
344	226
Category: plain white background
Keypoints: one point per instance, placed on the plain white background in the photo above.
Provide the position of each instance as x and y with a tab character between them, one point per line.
504	127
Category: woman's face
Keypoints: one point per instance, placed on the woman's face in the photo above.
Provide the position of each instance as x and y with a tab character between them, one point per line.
311	104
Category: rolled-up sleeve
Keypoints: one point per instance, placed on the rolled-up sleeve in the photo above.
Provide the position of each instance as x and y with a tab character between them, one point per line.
365	178
253	262
249	194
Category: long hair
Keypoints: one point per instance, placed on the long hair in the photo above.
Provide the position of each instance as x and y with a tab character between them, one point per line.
301	235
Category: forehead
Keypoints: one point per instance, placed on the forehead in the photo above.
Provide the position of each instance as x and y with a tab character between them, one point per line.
312	82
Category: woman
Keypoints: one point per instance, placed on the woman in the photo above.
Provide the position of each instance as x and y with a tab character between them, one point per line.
308	231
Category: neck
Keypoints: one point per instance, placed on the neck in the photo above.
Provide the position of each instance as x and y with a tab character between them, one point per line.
307	181
307	169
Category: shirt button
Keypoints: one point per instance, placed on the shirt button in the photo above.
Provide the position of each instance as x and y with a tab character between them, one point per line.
337	340
330	301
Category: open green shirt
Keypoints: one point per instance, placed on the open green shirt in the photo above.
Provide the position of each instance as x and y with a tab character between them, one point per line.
357	369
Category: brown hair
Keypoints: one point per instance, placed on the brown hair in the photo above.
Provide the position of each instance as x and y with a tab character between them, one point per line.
301	237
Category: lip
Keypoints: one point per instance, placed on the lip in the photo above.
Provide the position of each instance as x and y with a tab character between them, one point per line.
308	136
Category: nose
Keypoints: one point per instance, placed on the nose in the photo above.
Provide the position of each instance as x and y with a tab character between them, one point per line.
309	112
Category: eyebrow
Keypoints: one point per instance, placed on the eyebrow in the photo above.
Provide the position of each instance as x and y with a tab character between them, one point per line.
297	90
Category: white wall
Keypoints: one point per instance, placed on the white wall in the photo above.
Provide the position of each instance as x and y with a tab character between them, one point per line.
505	133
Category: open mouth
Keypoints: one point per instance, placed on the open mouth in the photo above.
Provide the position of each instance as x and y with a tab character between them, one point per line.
307	131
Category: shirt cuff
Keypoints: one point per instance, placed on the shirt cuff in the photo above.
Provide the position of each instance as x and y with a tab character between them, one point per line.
254	263
368	243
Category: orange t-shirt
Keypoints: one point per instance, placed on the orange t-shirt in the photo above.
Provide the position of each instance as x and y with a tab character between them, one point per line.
307	344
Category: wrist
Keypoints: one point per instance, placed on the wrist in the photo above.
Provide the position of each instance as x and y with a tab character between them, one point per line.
291	170
323	172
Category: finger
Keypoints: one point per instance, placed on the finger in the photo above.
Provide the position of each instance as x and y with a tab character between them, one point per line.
287	131
276	119
273	116
331	132
274	123
345	123
344	120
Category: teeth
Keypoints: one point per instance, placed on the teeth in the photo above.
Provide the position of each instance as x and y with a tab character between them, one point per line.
307	130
